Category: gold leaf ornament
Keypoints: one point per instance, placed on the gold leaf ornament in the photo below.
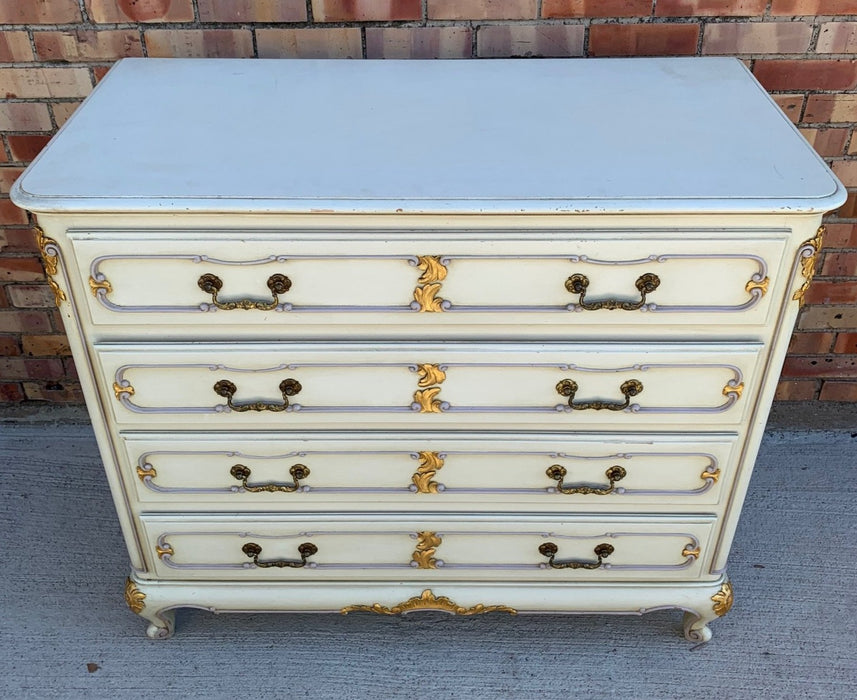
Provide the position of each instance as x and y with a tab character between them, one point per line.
428	601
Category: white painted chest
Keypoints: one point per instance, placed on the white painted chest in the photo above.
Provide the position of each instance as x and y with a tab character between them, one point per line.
478	337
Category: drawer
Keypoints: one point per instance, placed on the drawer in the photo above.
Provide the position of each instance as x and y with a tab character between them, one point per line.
440	472
433	280
340	547
554	385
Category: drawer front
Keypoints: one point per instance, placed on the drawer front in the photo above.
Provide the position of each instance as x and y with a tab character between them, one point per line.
434	280
339	547
444	472
428	386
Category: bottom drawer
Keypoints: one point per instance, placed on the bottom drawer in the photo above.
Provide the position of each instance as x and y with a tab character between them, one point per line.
498	547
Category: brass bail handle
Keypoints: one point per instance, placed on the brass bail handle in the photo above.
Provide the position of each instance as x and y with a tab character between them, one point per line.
297	471
212	284
629	388
557	473
645	284
306	550
288	387
549	550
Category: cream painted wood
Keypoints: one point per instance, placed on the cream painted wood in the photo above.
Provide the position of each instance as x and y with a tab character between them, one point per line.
674	473
429	386
469	280
715	171
383	547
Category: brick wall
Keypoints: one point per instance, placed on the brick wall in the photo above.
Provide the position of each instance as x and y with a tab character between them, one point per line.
53	51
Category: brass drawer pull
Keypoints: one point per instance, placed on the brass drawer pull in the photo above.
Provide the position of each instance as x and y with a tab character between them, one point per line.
645	284
613	474
298	472
549	550
568	387
307	549
212	284
288	387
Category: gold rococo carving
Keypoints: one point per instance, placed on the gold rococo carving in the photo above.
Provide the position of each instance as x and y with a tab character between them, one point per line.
95	285
51	262
119	390
134	597
430	464
428	601
723	599
427	544
763	285
807	263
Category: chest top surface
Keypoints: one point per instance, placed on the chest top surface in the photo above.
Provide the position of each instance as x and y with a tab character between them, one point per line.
500	136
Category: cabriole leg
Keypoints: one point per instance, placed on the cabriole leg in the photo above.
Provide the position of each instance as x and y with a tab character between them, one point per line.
696	627
161	622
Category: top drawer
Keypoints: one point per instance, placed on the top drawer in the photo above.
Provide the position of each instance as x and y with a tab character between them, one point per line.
431	279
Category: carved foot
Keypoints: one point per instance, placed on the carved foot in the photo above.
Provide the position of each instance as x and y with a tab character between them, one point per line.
696	627
696	622
161	622
162	625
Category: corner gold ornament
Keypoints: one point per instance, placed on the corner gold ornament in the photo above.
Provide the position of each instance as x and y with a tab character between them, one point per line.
761	284
143	473
808	254
163	551
426	293
427	544
430	464
134	597
736	389
50	258
723	599
691	551
428	601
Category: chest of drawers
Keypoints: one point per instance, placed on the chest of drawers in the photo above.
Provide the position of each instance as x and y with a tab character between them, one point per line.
394	336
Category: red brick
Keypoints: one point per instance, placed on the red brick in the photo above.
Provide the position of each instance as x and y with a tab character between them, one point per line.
530	40
325	42
825	317
24	116
756	37
366	10
10	392
45	82
4	299
792	105
87	45
846	343
63	110
795	390
28	368
57	322
9	346
15	47
643	39
827	292
418	42
810	343
483	9
252	10
710	8
110	11
39	12
98	72
839	391
55	392
45	345
806	74
199	43
17	240
8	175
834	366
837	37
827	142
831	108
31	296
25	148
839	264
24	322
21	270
840	235
596	8
813	7
70	368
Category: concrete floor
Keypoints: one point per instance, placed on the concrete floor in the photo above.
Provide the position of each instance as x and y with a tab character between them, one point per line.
65	631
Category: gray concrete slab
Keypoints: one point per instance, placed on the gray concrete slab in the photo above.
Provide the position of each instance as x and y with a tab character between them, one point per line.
65	631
